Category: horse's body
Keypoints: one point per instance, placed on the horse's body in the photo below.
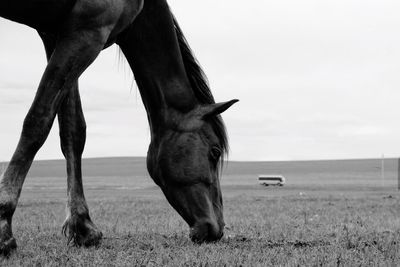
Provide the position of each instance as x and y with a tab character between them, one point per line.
187	135
41	15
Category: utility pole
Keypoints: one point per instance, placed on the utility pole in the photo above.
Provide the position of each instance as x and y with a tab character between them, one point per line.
398	175
2	169
383	170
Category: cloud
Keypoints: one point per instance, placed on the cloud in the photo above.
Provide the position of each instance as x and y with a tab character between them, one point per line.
316	79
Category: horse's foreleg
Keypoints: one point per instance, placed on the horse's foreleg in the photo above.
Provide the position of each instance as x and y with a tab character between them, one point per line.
73	53
78	226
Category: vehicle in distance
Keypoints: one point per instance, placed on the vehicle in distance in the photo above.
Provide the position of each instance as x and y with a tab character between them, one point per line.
271	179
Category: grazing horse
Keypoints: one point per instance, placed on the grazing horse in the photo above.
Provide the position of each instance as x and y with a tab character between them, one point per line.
188	138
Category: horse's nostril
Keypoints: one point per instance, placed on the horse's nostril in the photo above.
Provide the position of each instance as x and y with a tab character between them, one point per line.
221	234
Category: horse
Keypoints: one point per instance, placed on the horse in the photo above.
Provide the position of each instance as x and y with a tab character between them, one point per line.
188	136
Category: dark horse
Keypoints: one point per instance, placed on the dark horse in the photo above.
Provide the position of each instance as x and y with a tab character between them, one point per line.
188	137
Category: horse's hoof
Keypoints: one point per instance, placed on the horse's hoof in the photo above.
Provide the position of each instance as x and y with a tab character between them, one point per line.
7	246
92	239
82	231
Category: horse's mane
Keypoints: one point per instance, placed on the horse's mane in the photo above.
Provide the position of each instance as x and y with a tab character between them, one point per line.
200	86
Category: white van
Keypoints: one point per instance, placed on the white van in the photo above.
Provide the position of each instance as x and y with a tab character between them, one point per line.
271	179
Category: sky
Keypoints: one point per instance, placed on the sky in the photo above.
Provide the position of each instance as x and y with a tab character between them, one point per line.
316	79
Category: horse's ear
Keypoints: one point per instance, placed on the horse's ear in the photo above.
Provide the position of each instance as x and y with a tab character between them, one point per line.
195	118
216	109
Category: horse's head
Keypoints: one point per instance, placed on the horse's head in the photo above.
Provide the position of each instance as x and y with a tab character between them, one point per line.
183	160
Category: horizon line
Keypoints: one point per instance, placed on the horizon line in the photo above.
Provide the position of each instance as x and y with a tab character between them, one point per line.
293	160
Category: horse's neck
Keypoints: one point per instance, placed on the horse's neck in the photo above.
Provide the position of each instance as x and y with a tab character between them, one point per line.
152	50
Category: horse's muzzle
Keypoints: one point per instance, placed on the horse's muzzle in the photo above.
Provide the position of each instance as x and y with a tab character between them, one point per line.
206	232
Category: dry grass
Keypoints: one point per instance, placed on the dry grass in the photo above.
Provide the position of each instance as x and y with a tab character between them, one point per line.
265	227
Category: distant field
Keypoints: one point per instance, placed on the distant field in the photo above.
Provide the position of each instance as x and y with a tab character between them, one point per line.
329	213
132	172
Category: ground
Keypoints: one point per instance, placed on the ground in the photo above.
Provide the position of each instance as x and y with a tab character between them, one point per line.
306	224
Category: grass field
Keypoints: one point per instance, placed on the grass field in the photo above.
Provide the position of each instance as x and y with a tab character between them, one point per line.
329	213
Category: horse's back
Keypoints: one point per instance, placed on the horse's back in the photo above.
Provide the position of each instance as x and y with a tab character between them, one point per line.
38	14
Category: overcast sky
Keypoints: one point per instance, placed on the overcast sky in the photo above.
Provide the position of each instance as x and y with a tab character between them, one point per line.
317	79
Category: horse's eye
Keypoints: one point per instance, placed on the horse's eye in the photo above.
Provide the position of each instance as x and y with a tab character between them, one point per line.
216	153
